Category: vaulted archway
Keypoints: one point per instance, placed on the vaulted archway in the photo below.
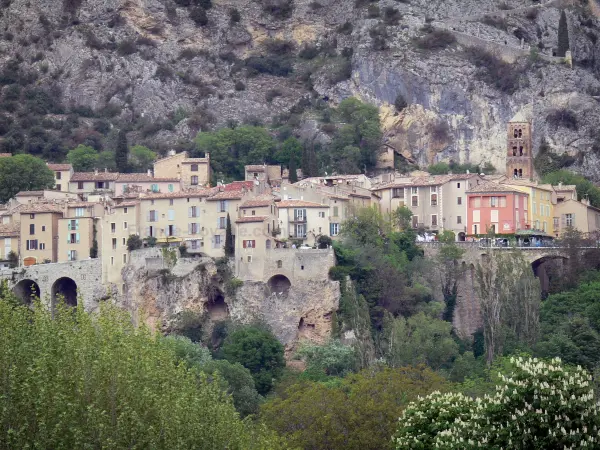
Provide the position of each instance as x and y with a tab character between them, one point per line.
64	288
27	290
280	284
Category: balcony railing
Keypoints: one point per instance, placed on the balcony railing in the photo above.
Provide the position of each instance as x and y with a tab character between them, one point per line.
298	220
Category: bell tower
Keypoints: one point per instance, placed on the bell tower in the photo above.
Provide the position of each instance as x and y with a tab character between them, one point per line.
519	157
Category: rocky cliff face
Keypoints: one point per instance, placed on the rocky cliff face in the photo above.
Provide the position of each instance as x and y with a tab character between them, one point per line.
160	295
141	61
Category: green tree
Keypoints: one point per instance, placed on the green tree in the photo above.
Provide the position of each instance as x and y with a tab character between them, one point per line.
259	351
290	149
539	405
134	242
331	359
122	152
106	161
293	174
82	381
563	34
23	173
585	188
13	259
360	412
450	270
141	158
83	158
229	246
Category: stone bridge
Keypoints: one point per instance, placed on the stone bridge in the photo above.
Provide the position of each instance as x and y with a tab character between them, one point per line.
76	281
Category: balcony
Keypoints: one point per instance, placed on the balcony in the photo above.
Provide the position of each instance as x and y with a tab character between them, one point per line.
298	220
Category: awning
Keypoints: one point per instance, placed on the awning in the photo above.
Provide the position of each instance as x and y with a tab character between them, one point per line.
536	233
168	240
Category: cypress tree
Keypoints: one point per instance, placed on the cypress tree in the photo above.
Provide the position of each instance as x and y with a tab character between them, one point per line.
229	248
293	178
563	35
305	162
122	152
313	167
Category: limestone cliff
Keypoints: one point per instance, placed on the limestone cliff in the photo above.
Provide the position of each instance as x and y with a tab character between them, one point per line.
141	61
158	292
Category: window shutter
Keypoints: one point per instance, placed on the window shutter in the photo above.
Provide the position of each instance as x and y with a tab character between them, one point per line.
331	229
68	239
77	224
148	216
77	237
563	221
573	220
244	244
189	228
190	211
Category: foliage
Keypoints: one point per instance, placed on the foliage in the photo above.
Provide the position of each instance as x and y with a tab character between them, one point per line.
122	152
141	158
199	16
435	40
450	270
80	381
94	247
281	9
400	102
23	173
259	351
494	71
359	412
234	15
229	247
539	405
151	241
562	117
276	65
331	359
546	161
231	149
563	35
134	242
83	158
585	188
13	259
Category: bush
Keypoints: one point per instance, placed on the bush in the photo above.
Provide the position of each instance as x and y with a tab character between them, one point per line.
532	14
493	71
391	16
234	15
373	11
378	36
127	47
134	242
273	65
199	16
278	46
436	40
143	40
562	117
164	72
440	132
495	21
240	86
309	51
281	9
341	71
345	28
400	102
272	93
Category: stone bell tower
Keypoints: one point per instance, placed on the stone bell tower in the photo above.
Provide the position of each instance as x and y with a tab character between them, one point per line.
519	156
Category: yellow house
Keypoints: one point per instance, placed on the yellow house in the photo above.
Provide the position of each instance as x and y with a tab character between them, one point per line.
193	172
39	233
9	241
541	204
62	175
76	231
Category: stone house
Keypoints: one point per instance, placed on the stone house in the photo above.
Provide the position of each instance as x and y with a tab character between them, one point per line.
305	221
144	182
76	230
62	176
193	172
575	214
542	199
269	174
252	245
86	183
39	233
9	241
24	197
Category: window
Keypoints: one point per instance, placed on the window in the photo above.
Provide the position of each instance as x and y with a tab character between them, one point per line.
322	214
537	224
457	185
125	210
415	190
72	255
255	174
253	212
114	243
569	220
415	221
58	187
217	241
79	212
154	188
398	193
545	228
73	238
125	226
193	211
279	264
299	215
493	202
555	222
434	222
525	203
433	199
32	244
300	230
502	202
433	189
494	215
100	185
194	180
222	206
458	220
80	185
73	224
459	200
534	207
195	244
171	214
31	228
113	227
124	258
476	215
194	168
171	230
334	229
249	258
193	228
42	246
268	244
335	211
475	202
124	242
222	222
112	260
153	216
249	244
58	175
32	216
415	200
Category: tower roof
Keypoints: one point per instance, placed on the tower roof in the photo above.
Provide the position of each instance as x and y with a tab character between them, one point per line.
525	114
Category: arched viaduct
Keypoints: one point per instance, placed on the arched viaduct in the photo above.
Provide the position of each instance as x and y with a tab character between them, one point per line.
74	281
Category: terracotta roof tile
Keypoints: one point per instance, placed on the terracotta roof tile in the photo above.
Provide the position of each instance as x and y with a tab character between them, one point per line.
258	202
250	219
489	186
194	160
93	176
181	194
226	195
5	155
41	208
255	168
299	204
239	185
10	229
126	204
59	167
29	194
142	177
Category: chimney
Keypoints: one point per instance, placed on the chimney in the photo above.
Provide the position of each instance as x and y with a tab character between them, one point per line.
149	172
172	153
105	170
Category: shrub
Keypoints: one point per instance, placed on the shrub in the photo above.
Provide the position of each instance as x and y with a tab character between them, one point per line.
127	47
493	71
391	16
309	51
92	41
163	72
199	16
240	86
532	14
278	46
143	40
378	36
440	132
562	117
400	102
134	242
282	9
436	40
373	11
234	15
345	28
341	71
272	93
315	6
495	21
273	65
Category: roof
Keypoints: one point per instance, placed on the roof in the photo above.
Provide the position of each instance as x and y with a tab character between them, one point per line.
81	204
126	204
531	233
142	177
524	114
258	202
256	168
250	219
239	185
194	160
29	194
5	155
41	208
180	194
95	176
59	167
226	195
489	186
176	155
299	204
10	229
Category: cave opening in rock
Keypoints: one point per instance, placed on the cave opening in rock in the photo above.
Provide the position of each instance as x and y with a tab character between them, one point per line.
279	284
217	309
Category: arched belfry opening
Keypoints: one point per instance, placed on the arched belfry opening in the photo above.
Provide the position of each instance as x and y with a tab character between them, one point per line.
279	284
64	288
27	290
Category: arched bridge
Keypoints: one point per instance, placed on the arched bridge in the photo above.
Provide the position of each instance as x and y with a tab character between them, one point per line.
74	281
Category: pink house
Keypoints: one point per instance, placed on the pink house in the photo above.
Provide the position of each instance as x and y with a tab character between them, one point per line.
142	182
492	207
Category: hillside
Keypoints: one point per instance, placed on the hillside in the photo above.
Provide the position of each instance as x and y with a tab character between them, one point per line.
77	71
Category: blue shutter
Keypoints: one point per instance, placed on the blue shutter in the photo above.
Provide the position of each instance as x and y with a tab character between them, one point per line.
170	188
331	229
77	224
77	238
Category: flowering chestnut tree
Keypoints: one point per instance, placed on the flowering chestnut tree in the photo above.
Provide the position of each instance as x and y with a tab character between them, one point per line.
539	405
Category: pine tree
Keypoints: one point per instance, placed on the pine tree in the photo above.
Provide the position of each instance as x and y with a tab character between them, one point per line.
293	177
122	152
563	35
229	248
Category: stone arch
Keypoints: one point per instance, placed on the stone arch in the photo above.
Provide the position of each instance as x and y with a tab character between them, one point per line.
462	237
26	290
67	288
540	268
279	284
